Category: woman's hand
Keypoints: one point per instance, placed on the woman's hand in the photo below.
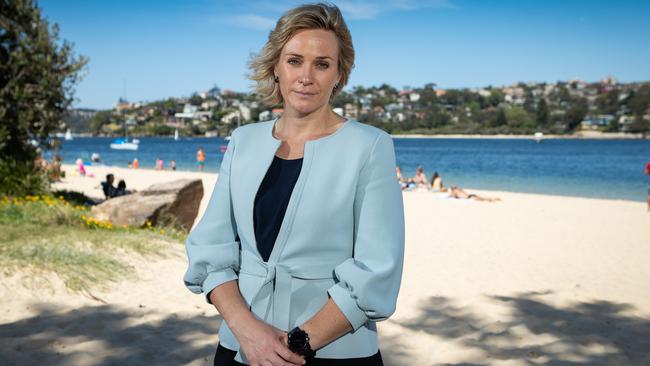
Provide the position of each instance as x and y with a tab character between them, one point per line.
264	344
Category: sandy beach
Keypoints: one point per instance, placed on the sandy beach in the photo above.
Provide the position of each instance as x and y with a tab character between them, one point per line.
531	279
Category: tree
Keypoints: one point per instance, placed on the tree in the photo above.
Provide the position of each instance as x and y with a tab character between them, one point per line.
38	73
640	101
518	118
607	103
542	113
576	113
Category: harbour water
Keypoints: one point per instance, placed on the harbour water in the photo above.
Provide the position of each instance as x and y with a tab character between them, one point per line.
611	169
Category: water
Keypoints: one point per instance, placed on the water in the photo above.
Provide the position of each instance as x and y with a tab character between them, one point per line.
610	169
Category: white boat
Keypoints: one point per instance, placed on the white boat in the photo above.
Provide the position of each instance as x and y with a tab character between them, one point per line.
176	135
539	136
125	144
68	135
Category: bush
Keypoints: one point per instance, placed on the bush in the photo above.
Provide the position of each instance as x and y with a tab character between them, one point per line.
19	178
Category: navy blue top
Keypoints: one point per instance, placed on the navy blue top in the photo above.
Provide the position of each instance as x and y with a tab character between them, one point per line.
271	202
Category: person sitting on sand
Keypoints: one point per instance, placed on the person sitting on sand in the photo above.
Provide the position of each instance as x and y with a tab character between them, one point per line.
420	178
436	183
458	193
121	189
108	188
405	183
55	169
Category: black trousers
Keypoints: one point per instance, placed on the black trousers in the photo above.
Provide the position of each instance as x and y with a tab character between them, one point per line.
226	357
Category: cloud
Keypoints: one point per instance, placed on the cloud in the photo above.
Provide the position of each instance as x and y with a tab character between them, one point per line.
352	9
369	10
251	21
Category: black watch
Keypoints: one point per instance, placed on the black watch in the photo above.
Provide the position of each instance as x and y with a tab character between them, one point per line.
299	343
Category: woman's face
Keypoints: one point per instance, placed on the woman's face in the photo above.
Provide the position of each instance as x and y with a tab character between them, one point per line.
308	70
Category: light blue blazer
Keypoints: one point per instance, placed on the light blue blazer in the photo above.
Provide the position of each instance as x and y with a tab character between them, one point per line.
342	235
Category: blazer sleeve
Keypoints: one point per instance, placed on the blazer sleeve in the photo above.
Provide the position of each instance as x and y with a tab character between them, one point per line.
213	245
368	283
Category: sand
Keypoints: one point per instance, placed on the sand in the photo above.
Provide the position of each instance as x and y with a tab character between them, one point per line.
532	279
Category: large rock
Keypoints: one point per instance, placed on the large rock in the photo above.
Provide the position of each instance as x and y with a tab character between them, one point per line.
174	202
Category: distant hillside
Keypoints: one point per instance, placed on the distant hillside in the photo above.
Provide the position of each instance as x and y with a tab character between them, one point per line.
78	120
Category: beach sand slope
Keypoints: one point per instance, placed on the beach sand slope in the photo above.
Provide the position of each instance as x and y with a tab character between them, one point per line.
531	279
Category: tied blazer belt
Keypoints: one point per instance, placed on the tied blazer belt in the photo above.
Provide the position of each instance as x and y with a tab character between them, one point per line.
277	279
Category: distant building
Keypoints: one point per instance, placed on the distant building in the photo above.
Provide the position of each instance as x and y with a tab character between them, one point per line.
245	112
609	80
351	111
597	122
264	116
122	105
276	112
189	112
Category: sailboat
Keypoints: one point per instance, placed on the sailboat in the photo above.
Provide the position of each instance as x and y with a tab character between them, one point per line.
176	135
68	135
124	143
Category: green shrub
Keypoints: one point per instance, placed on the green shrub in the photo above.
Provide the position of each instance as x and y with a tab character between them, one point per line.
21	179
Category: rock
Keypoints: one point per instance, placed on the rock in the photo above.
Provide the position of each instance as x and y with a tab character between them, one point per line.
174	202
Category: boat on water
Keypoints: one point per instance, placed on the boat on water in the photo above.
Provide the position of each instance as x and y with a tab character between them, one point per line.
125	144
68	135
539	137
176	138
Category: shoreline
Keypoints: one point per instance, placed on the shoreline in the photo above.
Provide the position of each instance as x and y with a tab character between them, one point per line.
583	135
589	135
211	177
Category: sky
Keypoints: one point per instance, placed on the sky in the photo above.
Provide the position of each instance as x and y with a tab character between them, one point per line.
149	50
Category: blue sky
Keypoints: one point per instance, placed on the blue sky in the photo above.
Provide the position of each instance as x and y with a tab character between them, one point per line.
163	48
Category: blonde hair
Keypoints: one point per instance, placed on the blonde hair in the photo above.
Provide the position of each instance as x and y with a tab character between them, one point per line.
310	16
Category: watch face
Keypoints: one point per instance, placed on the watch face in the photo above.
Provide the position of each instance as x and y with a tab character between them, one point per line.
297	338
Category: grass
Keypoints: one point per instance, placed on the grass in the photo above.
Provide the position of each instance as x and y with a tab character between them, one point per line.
49	234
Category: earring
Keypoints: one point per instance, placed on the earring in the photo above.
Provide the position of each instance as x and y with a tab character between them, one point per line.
336	86
276	79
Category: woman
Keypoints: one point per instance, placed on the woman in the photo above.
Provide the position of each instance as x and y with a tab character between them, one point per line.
420	178
301	246
436	183
460	193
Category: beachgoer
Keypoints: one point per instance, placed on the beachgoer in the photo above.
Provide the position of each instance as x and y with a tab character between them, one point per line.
317	287
108	188
200	158
121	189
95	158
129	165
55	169
436	183
405	183
160	165
80	167
136	163
172	164
457	192
420	178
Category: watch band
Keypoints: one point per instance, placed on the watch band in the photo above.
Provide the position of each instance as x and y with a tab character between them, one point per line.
298	341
